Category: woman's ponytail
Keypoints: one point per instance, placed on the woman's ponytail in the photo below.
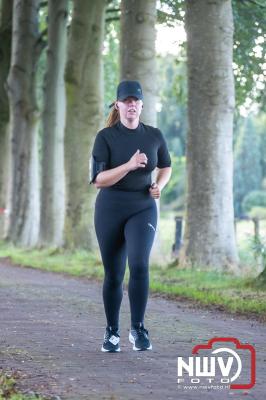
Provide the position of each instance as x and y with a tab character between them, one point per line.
112	118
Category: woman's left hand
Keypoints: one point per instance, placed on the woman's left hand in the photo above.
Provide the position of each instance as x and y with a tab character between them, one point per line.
155	191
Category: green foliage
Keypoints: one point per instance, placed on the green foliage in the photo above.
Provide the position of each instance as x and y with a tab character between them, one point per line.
7	385
170	11
260	127
249	50
43	20
249	44
258	245
257	212
247	165
256	198
111	62
175	189
8	389
172	114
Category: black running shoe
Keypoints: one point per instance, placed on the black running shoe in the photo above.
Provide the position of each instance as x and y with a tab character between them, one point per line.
139	337
111	340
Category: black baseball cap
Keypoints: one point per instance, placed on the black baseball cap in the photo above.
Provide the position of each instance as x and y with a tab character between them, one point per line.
128	89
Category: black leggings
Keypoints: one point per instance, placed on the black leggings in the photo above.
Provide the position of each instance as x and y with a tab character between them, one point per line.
125	224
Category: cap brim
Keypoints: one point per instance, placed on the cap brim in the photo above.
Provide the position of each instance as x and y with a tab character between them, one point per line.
124	97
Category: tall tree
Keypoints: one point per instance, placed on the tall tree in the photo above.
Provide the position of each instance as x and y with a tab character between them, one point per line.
53	174
84	91
209	232
24	118
5	54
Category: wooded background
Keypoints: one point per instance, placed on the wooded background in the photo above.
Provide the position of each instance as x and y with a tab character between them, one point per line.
60	63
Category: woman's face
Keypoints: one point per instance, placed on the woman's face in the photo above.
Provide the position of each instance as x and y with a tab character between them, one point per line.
130	108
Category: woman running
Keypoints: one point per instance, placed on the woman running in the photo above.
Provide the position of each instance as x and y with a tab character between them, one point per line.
123	157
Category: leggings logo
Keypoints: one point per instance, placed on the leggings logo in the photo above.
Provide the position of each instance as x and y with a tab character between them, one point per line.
151	226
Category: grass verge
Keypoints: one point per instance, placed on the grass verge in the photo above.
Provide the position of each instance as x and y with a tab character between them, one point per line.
8	390
224	291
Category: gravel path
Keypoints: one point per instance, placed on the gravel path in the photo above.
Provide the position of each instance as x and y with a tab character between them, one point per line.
51	331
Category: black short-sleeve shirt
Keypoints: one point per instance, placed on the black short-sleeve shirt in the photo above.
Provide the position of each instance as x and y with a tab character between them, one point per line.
116	145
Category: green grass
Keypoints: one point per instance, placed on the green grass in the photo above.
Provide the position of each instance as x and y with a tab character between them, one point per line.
80	263
244	233
8	389
234	294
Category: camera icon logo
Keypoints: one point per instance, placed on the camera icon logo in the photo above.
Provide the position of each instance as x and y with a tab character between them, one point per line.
230	365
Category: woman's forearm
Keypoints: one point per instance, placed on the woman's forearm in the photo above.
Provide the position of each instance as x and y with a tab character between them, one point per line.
163	176
111	176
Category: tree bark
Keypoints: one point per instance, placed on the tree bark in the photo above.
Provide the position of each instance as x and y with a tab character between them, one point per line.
209	238
84	88
53	173
5	54
137	51
24	116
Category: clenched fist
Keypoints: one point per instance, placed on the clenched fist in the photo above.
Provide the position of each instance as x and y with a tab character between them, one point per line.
138	160
155	191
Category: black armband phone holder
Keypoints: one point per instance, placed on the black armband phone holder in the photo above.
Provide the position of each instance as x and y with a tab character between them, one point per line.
95	168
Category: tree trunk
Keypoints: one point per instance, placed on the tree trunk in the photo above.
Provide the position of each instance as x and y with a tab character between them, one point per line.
137	51
209	231
25	203
53	174
261	279
84	88
138	62
5	54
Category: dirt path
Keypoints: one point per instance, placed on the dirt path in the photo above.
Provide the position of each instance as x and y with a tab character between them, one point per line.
52	326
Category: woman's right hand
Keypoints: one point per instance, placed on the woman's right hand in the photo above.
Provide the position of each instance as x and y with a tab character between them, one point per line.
138	160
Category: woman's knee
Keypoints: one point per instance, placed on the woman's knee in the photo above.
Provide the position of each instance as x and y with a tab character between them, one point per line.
139	270
113	280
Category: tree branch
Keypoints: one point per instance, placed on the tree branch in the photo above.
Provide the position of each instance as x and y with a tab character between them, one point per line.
112	19
164	15
113	10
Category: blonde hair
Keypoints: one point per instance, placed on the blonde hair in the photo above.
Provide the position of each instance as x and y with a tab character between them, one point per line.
113	117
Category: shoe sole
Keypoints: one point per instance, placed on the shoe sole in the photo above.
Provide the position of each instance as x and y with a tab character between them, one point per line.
132	340
110	351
